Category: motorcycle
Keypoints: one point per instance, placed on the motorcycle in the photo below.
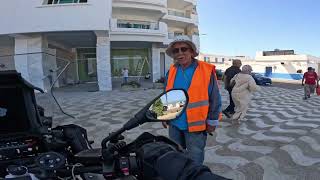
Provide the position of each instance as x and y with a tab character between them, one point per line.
64	152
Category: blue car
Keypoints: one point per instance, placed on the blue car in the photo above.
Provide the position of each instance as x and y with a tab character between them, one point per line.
260	79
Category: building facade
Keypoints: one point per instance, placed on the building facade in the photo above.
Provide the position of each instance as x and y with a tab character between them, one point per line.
97	39
284	64
221	59
278	64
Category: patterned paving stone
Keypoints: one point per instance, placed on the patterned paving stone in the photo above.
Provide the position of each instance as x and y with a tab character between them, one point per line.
279	140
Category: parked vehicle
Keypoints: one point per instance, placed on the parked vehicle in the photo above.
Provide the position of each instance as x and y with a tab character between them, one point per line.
219	74
261	80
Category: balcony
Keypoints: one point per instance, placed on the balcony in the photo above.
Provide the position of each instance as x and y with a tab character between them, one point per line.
124	30
193	2
155	7
180	18
181	4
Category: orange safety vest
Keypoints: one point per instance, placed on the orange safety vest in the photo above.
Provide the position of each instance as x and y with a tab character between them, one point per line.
198	107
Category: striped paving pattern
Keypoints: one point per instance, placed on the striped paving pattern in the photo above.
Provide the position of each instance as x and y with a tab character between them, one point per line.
279	141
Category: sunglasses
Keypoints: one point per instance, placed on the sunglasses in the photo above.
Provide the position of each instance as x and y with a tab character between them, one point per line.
177	50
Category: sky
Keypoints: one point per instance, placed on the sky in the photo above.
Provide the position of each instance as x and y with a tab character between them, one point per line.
242	27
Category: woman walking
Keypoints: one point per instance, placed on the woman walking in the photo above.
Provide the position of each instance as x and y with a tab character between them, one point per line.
244	86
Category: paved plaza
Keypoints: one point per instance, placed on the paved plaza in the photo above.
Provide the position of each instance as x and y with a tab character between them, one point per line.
280	139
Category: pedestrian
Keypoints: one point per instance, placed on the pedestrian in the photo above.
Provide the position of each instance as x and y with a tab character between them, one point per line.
309	81
125	74
204	109
228	75
244	86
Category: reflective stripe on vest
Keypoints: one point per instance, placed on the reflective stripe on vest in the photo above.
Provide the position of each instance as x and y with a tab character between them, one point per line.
198	107
198	104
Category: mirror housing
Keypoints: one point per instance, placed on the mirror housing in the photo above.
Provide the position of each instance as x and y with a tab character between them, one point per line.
168	106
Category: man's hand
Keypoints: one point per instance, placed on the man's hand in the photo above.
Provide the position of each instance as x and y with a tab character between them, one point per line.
165	124
211	129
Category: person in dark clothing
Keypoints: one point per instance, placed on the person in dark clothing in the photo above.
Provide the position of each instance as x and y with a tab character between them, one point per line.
228	75
156	155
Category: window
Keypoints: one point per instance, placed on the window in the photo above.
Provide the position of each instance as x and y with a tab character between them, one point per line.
136	25
178	33
222	60
65	1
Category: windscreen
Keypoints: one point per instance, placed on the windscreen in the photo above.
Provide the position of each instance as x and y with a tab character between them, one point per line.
13	116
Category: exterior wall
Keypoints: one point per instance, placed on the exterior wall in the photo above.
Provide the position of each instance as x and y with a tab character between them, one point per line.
282	58
29	58
18	16
6	55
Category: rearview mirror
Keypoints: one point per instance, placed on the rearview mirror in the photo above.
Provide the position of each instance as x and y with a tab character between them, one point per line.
169	106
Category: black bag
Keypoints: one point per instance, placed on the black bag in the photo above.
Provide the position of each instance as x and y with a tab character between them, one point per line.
18	108
76	137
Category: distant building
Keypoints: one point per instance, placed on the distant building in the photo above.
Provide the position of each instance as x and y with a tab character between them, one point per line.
280	64
284	64
220	59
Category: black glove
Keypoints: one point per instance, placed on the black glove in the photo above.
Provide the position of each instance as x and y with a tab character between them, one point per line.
148	155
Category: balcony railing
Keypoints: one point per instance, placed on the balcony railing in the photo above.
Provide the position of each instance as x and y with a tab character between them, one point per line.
154	2
178	13
64	1
172	35
123	30
137	25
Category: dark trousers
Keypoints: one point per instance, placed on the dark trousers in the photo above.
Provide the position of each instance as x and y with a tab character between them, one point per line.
230	108
194	142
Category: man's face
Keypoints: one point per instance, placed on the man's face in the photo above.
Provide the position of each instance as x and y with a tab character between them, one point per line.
182	53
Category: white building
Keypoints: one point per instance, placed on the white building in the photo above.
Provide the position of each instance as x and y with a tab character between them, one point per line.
284	64
279	64
97	37
220	59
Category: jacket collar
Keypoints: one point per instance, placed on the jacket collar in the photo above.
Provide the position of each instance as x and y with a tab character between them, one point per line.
194	63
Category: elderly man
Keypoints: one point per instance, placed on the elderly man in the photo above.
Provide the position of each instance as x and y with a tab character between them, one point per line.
204	109
228	75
